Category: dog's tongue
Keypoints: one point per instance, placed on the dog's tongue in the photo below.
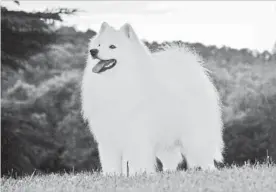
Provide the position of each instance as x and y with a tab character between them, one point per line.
100	65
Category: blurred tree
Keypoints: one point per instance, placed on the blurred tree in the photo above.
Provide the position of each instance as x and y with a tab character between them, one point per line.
25	33
25	145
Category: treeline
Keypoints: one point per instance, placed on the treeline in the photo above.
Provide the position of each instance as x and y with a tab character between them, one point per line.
41	126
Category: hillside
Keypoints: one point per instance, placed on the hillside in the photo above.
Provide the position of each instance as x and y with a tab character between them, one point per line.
41	124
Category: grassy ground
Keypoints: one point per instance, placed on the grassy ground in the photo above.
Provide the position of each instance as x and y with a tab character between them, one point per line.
260	178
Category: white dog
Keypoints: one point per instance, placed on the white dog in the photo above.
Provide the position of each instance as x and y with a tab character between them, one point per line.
141	105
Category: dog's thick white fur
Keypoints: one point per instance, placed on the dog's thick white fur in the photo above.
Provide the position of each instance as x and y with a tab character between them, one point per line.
149	105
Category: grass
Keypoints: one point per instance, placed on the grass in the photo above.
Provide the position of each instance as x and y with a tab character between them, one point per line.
244	179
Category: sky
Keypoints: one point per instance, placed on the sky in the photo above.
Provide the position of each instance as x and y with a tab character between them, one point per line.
236	24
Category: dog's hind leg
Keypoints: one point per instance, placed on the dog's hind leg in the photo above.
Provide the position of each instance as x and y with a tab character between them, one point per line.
170	158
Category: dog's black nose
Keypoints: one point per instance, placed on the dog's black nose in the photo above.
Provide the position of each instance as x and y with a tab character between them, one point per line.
94	52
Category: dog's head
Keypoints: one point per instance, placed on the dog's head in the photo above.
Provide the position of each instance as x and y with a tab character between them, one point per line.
111	46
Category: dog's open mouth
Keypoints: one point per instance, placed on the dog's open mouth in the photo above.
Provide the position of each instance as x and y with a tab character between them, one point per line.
104	65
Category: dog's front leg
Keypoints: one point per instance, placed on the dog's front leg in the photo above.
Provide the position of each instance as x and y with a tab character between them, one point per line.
111	159
141	159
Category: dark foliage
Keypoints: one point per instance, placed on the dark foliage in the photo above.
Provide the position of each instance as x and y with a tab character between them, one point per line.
23	147
24	34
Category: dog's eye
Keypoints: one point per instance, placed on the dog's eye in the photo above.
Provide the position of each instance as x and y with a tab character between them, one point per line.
99	45
112	46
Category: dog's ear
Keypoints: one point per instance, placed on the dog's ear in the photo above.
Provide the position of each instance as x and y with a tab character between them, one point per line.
128	31
104	26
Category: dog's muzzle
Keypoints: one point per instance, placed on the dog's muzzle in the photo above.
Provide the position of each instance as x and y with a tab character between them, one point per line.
102	65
